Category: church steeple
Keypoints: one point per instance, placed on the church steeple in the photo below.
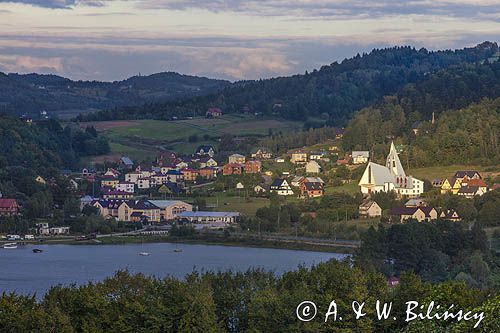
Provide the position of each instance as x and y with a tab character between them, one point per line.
393	163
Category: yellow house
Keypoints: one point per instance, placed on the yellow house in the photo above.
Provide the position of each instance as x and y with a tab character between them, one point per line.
452	185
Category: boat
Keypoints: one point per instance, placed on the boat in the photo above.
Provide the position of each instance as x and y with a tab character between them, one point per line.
10	246
144	254
37	251
178	250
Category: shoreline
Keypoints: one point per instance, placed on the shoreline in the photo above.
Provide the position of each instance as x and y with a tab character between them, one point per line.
204	240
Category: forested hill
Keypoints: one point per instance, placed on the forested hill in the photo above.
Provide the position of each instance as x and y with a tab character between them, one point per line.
33	93
331	93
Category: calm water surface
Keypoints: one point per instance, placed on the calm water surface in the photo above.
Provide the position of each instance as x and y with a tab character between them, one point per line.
26	272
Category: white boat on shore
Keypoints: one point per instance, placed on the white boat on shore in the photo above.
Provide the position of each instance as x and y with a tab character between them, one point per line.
145	254
10	246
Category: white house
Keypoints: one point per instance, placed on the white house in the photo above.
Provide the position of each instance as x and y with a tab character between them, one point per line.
360	157
281	187
391	177
125	187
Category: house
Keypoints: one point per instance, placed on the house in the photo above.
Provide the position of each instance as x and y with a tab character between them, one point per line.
109	181
207	173
42	228
232	169
313	167
421	214
205	150
470	174
213	113
207	162
174	176
360	157
279	160
369	209
343	161
144	183
170	209
260	189
470	191
390	177
482	188
125	187
144	208
171	188
450	215
452	185
316	155
112	173
115	194
311	190
261	153
240	186
133	177
236	158
210	220
9	207
299	157
107	208
281	187
126	162
190	175
339	133
253	167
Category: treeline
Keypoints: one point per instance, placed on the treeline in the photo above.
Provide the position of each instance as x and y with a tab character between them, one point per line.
253	301
33	93
466	136
435	251
46	144
282	142
42	149
334	92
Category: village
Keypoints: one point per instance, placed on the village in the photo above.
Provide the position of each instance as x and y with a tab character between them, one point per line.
169	190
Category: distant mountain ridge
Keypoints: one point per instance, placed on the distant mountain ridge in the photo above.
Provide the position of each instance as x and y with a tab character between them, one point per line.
329	95
33	93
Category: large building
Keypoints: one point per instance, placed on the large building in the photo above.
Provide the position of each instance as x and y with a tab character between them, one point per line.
170	209
390	177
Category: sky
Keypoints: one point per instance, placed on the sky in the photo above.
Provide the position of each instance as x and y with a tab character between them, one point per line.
111	40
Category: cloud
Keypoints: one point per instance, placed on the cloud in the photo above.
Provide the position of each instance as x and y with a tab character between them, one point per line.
57	4
333	8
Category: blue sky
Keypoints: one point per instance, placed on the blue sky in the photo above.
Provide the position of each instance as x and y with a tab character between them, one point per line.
230	39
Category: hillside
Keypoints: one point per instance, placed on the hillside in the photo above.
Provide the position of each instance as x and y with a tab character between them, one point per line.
330	94
32	93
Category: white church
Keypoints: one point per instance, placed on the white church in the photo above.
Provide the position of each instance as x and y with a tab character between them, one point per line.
391	177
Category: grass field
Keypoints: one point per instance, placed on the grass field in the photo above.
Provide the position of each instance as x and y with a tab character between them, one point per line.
431	173
247	207
351	188
141	138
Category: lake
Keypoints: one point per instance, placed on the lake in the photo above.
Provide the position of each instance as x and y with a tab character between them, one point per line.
26	272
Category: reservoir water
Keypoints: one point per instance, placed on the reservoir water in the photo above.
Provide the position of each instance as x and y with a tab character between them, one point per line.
26	272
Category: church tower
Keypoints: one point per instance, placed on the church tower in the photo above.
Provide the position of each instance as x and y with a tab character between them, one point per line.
393	163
